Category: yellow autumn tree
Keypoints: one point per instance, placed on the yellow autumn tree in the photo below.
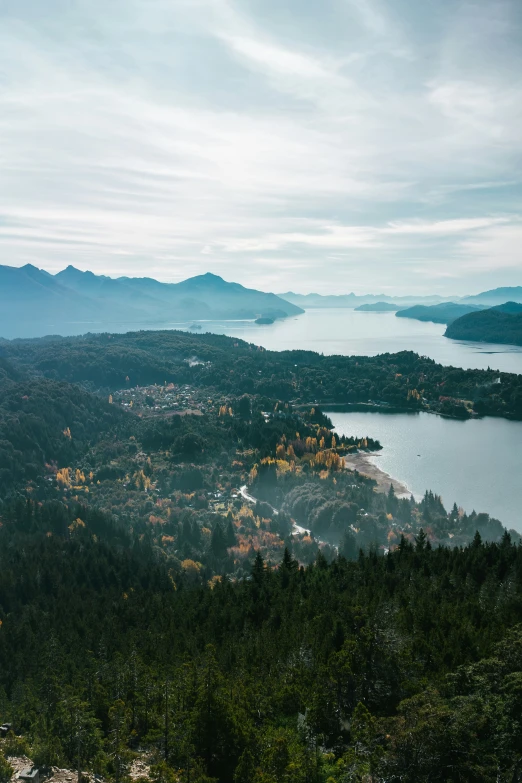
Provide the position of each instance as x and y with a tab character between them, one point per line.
330	460
78	523
141	481
63	477
192	570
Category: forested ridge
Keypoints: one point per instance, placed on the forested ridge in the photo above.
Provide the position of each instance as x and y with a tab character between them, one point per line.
496	325
35	420
231	366
190	576
444	313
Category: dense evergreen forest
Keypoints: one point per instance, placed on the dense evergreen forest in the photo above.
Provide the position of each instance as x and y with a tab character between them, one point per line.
233	367
405	667
190	577
496	325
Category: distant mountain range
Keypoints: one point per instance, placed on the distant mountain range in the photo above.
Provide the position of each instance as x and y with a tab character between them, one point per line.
491	298
497	296
34	303
307	301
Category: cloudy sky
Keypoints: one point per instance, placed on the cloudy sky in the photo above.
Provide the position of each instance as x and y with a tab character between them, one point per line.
306	145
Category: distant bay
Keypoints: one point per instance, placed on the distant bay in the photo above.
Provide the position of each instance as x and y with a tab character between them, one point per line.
475	463
351	333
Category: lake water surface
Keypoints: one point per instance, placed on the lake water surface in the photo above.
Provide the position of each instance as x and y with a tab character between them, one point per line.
476	463
352	333
331	331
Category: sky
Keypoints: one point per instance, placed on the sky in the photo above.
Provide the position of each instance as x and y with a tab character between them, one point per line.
308	145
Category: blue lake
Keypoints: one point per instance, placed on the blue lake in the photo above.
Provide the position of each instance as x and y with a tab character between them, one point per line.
476	463
352	333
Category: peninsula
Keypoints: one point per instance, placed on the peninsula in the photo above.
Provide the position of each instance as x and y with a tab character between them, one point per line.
502	324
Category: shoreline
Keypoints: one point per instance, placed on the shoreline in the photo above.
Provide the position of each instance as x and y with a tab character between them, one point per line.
362	463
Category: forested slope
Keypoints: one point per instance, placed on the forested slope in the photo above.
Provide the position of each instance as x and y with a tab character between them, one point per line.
490	326
43	421
234	367
404	667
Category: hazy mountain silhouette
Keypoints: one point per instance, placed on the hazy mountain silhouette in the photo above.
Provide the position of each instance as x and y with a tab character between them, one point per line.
443	313
34	302
354	300
491	298
496	296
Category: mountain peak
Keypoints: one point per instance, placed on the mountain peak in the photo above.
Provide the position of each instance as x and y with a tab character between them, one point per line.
208	276
208	279
33	271
70	270
71	273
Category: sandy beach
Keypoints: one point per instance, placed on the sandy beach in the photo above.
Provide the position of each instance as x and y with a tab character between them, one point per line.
362	462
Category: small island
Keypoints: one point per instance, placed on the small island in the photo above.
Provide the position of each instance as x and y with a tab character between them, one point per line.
264	320
192	327
378	307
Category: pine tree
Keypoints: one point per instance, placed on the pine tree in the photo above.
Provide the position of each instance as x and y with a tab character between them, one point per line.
258	569
420	541
230	535
218	542
118	737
